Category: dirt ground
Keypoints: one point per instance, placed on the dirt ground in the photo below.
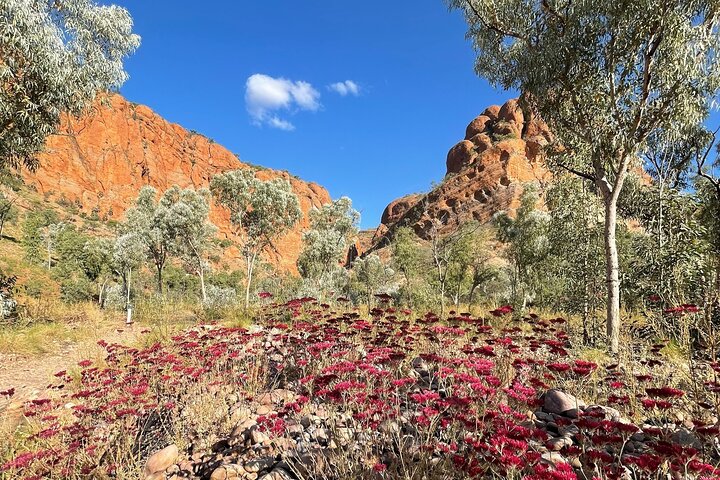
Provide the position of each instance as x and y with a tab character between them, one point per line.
30	375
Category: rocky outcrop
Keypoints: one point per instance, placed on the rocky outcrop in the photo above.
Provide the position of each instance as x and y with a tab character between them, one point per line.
100	162
501	151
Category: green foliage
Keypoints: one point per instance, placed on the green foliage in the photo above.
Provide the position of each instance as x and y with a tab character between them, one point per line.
332	228
670	252
526	246
10	178
261	211
56	57
145	221
8	211
370	276
609	77
128	254
227	278
184	216
8	303
37	223
408	258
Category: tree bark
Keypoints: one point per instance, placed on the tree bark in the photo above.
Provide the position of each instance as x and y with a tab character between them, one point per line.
250	259
471	295
201	273
612	273
159	278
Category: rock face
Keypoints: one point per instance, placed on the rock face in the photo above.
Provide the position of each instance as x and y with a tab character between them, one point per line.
101	161
485	172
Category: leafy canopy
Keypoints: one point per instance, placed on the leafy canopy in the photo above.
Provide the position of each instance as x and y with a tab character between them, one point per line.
56	56
604	74
260	210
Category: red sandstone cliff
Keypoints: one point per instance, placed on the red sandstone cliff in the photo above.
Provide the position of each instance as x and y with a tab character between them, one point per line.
102	160
485	174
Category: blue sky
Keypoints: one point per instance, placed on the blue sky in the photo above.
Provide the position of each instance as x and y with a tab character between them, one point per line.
382	136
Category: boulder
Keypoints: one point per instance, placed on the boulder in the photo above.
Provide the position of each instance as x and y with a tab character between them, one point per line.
479	125
558	402
511	112
460	156
492	112
161	460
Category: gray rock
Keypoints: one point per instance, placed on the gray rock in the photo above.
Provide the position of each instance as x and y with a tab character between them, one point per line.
255	466
559	402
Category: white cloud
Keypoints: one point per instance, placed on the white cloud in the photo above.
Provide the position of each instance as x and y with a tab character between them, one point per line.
348	87
281	124
265	95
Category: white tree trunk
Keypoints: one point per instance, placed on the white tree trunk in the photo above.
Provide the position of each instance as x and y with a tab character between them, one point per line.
250	259
612	272
201	274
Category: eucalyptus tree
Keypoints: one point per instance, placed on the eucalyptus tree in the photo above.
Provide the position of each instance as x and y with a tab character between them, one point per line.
50	235
34	228
708	188
370	275
604	75
333	227
56	56
466	255
128	254
482	271
669	252
261	212
575	235
526	245
147	221
408	258
449	255
185	215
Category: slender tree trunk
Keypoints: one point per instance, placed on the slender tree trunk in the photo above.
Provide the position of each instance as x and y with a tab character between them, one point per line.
661	242
407	287
159	278
442	298
101	295
470	296
2	226
612	274
201	274
250	259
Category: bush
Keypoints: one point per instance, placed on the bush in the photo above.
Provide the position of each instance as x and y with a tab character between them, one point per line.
77	289
115	297
219	297
36	286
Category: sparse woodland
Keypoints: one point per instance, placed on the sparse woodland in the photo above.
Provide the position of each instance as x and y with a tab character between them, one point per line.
575	334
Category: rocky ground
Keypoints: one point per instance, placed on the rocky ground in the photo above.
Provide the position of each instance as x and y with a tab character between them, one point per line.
318	392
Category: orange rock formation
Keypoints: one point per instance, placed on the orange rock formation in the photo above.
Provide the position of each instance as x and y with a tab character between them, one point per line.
102	160
485	173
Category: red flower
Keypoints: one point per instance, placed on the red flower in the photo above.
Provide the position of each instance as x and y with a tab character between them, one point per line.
664	392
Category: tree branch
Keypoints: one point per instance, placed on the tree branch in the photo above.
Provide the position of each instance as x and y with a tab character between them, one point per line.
579	173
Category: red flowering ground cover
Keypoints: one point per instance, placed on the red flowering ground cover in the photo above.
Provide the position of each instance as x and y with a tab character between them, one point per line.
317	393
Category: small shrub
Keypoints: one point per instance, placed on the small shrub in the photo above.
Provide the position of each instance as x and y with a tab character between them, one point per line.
76	289
220	297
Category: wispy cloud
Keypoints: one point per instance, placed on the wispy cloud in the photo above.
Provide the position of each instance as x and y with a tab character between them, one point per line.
281	124
265	96
348	87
